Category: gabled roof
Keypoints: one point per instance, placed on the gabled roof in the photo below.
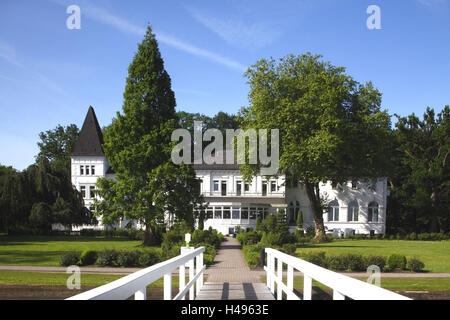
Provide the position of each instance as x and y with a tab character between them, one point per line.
90	139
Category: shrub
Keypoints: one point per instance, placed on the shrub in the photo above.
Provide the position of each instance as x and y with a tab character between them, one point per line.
88	257
253	259
172	252
128	259
251	237
397	261
318	258
289	248
415	265
375	260
209	249
149	257
271	239
107	258
353	262
70	258
412	236
208	259
336	263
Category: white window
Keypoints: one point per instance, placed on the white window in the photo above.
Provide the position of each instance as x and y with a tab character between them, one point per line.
238	188
83	192
224	188
333	211
93	170
81	170
273	186
373	212
87	170
216	185
264	188
353	211
92	192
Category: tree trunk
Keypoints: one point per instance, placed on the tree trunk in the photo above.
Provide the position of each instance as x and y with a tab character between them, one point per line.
312	190
434	225
148	236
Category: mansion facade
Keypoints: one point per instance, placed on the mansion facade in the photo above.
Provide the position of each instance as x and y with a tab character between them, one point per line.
354	208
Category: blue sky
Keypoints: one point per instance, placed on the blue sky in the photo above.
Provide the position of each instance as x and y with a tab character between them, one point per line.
50	75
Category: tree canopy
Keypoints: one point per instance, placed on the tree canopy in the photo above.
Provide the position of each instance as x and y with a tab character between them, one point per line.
331	127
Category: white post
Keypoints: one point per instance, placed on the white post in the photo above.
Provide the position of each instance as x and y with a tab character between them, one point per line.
197	270
272	274
280	279
290	278
268	271
201	277
168	286
307	287
141	294
191	276
337	295
182	280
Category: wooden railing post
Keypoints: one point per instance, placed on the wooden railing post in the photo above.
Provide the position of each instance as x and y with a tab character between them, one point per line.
182	279
280	279
141	294
198	268
290	278
307	287
191	276
272	272
168	286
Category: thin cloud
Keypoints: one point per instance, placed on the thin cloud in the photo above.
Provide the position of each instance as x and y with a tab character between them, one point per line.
8	53
238	31
105	17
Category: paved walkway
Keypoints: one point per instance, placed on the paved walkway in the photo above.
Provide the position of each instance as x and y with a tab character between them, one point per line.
229	278
230	266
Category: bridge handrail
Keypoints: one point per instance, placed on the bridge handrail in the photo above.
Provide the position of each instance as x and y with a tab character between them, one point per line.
342	285
137	282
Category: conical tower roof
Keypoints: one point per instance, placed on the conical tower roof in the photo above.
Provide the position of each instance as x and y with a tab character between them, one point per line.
90	139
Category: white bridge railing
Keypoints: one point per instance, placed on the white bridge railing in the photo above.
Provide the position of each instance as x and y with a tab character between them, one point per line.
343	286
137	282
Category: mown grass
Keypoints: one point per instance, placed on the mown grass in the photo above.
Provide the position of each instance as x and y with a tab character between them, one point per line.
434	254
46	251
60	279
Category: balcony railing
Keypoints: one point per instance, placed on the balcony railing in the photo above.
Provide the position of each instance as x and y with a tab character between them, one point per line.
343	286
136	283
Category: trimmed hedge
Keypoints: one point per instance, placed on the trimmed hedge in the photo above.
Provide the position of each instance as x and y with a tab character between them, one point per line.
70	258
397	261
88	257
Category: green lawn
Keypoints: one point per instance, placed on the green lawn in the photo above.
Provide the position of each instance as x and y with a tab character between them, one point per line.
46	251
60	279
434	254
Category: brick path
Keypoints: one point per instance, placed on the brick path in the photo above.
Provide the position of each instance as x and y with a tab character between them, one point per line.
230	266
229	278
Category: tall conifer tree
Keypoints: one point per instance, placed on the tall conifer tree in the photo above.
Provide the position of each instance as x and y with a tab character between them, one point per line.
138	146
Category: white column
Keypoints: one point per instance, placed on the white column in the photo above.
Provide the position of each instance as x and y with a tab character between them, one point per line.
182	280
280	279
141	294
168	286
307	287
191	276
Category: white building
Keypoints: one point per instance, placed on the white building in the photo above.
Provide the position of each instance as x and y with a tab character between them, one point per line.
356	207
